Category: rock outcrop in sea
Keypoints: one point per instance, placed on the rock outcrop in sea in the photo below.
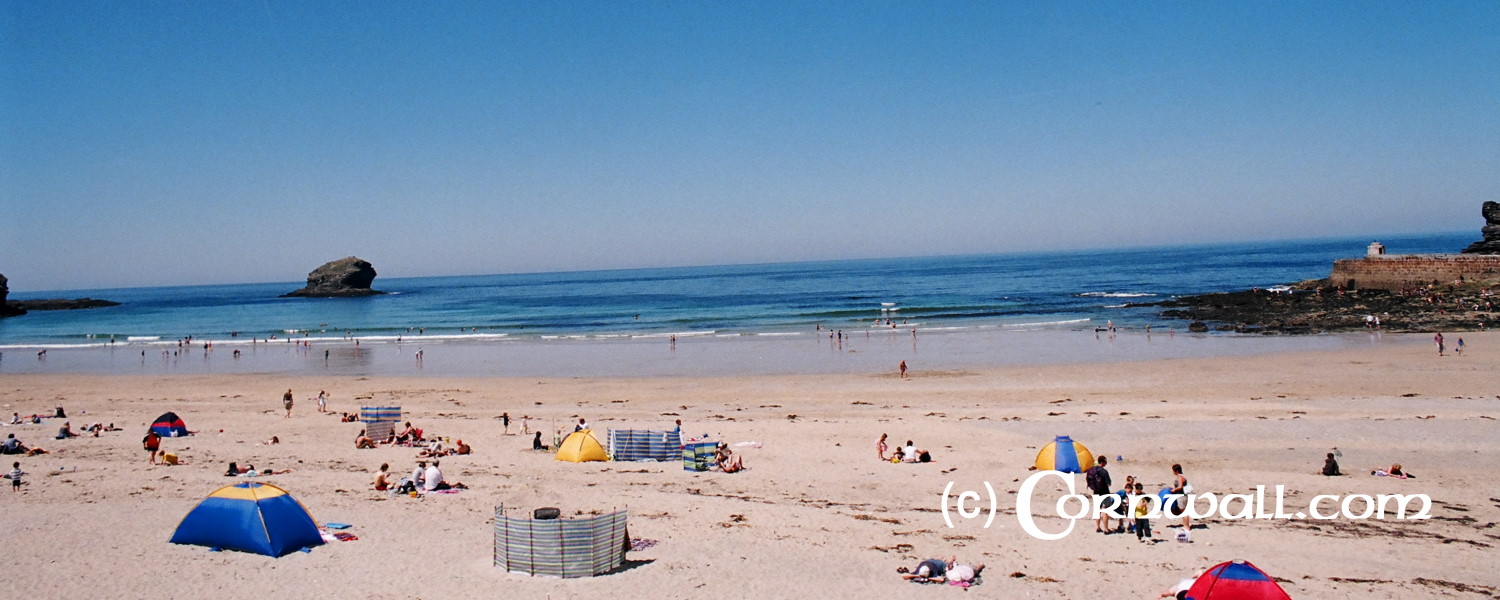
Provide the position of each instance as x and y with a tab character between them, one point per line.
1491	231
62	304
6	310
346	277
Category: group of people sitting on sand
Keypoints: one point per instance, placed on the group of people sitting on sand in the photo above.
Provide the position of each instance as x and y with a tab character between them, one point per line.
406	436
17	419
424	478
936	570
1331	468
435	449
909	453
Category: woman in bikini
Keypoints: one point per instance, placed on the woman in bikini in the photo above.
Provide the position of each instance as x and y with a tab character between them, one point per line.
728	461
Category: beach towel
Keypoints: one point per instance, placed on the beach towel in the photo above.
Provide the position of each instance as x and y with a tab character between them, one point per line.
639	544
345	537
337	525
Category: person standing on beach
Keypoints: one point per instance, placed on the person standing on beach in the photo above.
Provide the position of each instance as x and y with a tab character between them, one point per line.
322	401
151	443
505	421
1458	348
286	400
903	369
1098	481
15	476
1180	488
1438	339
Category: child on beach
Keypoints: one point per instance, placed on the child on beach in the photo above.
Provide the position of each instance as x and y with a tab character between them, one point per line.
15	476
1142	508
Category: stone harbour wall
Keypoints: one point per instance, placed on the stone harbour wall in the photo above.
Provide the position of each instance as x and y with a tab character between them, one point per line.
1393	272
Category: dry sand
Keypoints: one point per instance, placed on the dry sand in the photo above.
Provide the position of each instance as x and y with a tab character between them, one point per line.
815	515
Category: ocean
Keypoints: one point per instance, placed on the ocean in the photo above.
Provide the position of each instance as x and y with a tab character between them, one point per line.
565	323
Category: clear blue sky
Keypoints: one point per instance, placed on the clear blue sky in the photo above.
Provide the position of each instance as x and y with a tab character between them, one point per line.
161	143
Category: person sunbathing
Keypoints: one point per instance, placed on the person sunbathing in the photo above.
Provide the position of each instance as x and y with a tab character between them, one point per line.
729	462
932	570
66	431
234	470
363	441
1394	471
434	450
964	573
1178	591
273	441
463	448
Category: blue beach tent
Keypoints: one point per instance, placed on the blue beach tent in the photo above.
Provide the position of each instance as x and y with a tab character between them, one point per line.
250	517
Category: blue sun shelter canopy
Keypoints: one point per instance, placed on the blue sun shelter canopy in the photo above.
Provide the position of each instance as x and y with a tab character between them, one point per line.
250	517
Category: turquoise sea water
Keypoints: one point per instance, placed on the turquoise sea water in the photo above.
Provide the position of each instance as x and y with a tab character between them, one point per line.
566	323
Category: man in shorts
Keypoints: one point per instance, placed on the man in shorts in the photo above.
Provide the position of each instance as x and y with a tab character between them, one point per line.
286	400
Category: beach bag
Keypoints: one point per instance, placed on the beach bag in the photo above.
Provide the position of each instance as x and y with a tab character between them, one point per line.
1094	479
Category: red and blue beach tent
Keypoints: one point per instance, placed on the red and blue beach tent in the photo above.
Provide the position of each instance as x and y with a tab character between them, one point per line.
1236	580
170	425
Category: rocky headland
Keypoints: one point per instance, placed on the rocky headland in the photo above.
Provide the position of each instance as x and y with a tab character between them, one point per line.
21	307
6	310
1490	244
1404	293
342	278
1317	307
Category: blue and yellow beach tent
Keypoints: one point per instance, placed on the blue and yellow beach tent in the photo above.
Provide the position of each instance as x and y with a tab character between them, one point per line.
1065	455
250	517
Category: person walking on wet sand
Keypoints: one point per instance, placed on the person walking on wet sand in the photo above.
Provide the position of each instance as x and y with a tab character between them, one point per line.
286	400
903	369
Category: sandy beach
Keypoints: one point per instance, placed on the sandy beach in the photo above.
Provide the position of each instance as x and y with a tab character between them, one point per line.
815	514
